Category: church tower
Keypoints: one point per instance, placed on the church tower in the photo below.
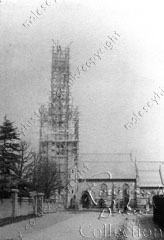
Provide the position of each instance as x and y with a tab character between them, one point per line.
59	127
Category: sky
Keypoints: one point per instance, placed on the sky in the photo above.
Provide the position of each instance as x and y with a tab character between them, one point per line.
108	93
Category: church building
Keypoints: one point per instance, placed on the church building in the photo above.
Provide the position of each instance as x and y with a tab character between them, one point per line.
117	180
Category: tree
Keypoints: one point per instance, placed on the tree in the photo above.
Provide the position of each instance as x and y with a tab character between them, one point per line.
9	148
33	170
9	153
22	168
48	179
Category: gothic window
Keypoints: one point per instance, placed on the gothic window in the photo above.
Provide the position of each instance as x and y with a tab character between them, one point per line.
126	189
104	189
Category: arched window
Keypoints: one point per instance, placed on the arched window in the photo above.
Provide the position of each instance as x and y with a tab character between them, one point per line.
103	190
125	189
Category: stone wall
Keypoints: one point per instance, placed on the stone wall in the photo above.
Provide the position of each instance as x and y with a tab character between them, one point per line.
10	208
25	207
16	207
6	208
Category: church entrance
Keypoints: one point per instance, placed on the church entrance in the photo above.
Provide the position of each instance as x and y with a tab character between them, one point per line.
85	200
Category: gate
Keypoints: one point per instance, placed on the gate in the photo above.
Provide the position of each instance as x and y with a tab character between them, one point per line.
48	205
51	206
54	204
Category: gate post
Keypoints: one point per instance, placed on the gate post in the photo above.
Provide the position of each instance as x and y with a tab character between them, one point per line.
14	202
40	204
34	200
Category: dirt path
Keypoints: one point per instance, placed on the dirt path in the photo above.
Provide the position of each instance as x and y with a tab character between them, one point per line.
83	226
23	228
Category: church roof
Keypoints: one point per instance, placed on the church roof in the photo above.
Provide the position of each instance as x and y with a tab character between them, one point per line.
107	166
150	174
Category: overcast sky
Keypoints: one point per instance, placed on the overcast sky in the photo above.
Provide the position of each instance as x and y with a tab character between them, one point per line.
108	93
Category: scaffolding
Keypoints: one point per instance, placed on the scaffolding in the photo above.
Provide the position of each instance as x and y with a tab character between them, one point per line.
59	127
